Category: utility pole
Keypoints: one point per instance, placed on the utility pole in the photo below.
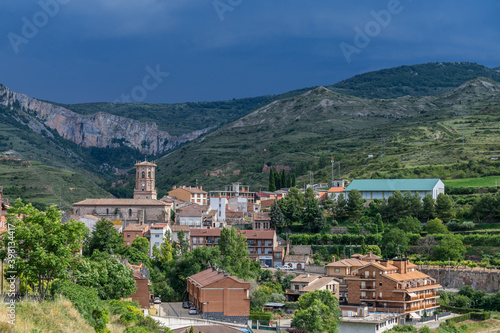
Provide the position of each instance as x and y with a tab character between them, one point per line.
331	185
339	169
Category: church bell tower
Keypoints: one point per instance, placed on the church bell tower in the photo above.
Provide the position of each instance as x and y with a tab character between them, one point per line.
145	181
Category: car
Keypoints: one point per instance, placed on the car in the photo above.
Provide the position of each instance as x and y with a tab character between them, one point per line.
193	311
285	268
185	305
264	266
157	300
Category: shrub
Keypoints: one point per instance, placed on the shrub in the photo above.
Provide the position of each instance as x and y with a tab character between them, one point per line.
86	302
455	320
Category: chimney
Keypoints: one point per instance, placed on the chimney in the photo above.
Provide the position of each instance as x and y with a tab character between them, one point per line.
201	188
333	258
174	187
401	264
383	263
307	275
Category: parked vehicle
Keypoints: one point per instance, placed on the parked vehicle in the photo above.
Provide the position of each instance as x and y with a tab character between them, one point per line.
185	305
285	268
193	311
157	300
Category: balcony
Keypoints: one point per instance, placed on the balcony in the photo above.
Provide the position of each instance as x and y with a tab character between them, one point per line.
367	288
428	306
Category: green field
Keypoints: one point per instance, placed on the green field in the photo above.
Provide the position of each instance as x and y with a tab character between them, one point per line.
489	181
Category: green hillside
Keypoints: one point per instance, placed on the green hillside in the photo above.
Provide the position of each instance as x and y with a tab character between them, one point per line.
417	80
423	138
44	185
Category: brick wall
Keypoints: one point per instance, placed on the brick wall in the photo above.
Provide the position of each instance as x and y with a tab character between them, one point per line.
141	295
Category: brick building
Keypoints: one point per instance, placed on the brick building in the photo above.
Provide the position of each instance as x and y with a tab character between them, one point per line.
132	231
142	283
261	243
395	286
191	194
219	295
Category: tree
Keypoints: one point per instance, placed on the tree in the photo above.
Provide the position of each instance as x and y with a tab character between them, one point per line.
363	250
106	274
45	247
436	226
234	251
272	181
277	218
138	252
450	247
426	245
340	207
486	207
395	242
318	312
428	208
283	179
104	238
291	206
409	224
379	223
374	249
293	180
444	207
355	205
165	253
396	207
182	244
313	217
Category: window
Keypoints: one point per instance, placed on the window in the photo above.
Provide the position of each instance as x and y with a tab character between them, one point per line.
380	294
157	236
363	284
149	174
367	273
363	294
337	270
143	174
278	255
128	243
128	235
195	240
129	212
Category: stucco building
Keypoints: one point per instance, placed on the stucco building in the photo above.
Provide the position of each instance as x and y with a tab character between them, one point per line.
305	283
371	189
190	194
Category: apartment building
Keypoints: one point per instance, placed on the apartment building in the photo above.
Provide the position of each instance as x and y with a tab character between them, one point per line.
394	286
157	234
134	230
261	243
191	194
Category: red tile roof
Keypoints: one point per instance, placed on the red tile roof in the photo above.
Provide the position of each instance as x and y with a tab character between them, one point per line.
121	202
336	189
257	234
262	216
205	232
159	226
136	227
210	276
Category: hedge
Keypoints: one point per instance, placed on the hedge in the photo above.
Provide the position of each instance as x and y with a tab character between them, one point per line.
264	316
458	319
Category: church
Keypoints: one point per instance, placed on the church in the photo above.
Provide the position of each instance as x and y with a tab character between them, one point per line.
144	208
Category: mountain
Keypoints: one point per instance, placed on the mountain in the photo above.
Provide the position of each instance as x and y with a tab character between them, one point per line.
418	80
300	133
99	130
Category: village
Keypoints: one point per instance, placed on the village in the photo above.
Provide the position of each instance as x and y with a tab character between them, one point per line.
374	293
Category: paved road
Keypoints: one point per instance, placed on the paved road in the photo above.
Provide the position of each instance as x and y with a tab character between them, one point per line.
175	309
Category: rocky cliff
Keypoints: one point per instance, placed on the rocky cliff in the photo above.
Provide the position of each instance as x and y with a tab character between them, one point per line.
98	130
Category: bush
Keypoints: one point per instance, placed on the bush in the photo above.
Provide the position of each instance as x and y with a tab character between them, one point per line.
261	316
480	315
86	302
455	320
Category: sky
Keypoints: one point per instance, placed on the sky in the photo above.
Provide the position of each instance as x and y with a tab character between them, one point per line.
172	51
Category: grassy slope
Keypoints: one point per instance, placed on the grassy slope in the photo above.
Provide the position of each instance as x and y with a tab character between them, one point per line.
489	181
45	185
57	316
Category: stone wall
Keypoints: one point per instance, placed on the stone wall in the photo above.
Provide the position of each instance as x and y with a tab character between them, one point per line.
316	269
454	277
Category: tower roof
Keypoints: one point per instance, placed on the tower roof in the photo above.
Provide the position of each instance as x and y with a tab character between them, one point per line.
145	163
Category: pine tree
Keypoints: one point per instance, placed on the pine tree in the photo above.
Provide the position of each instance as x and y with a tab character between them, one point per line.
283	179
277	218
272	181
293	180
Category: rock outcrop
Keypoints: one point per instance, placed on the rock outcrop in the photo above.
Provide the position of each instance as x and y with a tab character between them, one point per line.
100	130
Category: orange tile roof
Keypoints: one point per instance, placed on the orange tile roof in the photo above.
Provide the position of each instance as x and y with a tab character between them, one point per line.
190	189
319	283
348	263
159	226
204	232
408	276
336	189
261	216
179	228
306	278
136	227
121	202
257	234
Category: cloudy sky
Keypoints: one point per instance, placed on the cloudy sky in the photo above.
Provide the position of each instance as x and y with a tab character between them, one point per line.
166	51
